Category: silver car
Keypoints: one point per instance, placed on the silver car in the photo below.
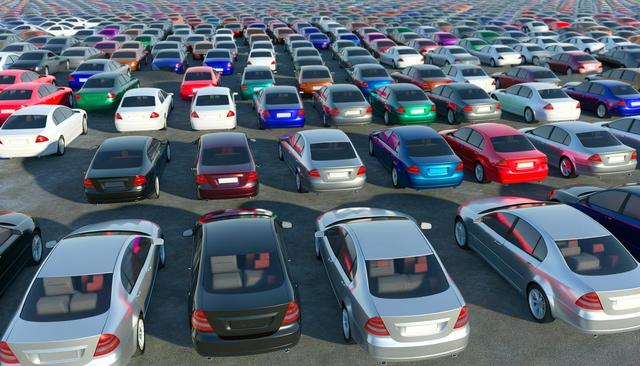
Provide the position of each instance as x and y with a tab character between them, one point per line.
398	301
566	264
532	53
626	129
88	301
322	160
342	104
497	55
582	148
78	55
449	55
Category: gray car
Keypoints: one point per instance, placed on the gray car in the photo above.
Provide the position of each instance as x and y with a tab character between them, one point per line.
78	55
532	53
620	57
463	102
43	62
322	160
346	53
19	47
582	148
397	300
559	258
88	301
167	45
59	44
626	129
449	55
342	104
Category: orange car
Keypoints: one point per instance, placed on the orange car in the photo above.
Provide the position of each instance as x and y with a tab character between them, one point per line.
200	49
134	58
313	77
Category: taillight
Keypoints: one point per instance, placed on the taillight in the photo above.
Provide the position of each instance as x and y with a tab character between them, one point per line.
243	87
252	176
578	105
463	318
231	114
502	163
589	301
493	82
362	84
634	155
293	313
433	108
118	116
266	114
154	115
200	322
194	114
369	109
334	111
498	106
111	96
88	183
6	354
376	327
78	96
107	344
41	138
400	110
467	108
201	179
300	112
229	64
70	78
362	170
413	169
459	167
549	107
595	158
139	180
314	173
273	62
621	103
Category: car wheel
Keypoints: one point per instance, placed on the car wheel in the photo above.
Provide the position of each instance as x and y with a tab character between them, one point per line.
601	111
325	123
140	336
493	63
156	188
528	115
168	152
569	72
61	146
346	326
567	170
280	152
85	127
538	304
387	120
46	70
451	116
68	66
163	257
299	186
535	60
498	86
371	152
478	173
71	100
460	233
395	177
37	248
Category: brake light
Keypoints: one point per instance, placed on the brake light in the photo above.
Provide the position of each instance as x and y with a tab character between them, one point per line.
252	176
106	344
589	301
400	110
78	97
578	105
459	167
362	170
266	114
376	327
71	78
413	169
229	64
463	318
634	155
118	116
314	173
154	115
467	108
493	82
231	114
548	107
362	84
595	158
273	62
41	138
178	65
300	112
243	87
111	96
194	114
621	103
88	183
334	111
139	180
6	354
293	313
200	322
369	109
201	179
498	105
502	163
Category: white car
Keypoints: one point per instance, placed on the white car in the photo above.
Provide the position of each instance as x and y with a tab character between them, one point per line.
535	26
561	47
497	55
262	57
263	45
614	41
19	47
425	30
470	74
41	130
60	30
143	109
213	108
532	53
586	44
544	41
538	102
400	57
7	59
221	38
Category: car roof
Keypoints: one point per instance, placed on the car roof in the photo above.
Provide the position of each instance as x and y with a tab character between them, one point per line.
562	222
106	75
223	139
280	89
239	236
324	135
577	126
386	239
538	86
142	91
36	109
124	142
408	132
495	129
84	255
199	69
609	83
214	90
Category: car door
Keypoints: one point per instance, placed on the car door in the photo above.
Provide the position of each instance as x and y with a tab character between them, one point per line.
509	97
473	149
458	142
343	255
378	99
487	235
332	241
558	141
593	96
10	252
153	154
72	122
390	150
522	252
521	101
60	125
539	138
290	155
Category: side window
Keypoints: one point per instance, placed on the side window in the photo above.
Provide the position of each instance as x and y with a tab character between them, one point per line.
527	238
559	135
42	92
635	127
522	73
446	92
153	150
615	74
66	112
133	261
632	208
596	89
160	97
58	117
476	139
525	92
299	145
514	90
51	89
584	87
499	222
609	200
393	141
621	124
344	249
544	131
628	75
462	134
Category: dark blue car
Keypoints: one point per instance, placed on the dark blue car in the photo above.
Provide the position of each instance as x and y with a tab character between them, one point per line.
319	40
92	67
279	106
350	37
417	157
617	209
220	60
369	77
170	60
606	97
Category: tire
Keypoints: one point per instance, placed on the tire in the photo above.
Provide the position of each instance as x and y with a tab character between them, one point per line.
387	119
535	60
460	233
538	304
479	173
85	126
168	153
498	86
140	336
371	151
37	248
451	116
61	146
601	111
299	186
529	117
46	70
71	101
280	152
492	63
155	194
346	326
163	257
567	169
569	72
395	178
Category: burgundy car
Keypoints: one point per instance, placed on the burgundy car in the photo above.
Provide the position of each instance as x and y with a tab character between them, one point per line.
574	61
525	74
423	45
380	46
225	167
444	38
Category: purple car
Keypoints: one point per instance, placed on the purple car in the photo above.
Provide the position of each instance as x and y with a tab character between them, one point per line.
109	32
445	39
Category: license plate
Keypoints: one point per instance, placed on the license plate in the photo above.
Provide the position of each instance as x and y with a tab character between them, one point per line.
484	109
616	159
82	80
317	87
352	113
419	330
19	142
219	69
437	171
283	115
635	104
626	303
113	184
526	165
227	180
5	111
417	111
338	175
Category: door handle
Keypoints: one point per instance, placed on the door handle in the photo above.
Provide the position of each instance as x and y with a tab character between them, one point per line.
139	294
497	242
609	218
342	283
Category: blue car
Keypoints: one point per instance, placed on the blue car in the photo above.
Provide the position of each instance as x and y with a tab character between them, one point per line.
606	97
279	106
417	157
170	60
92	67
369	77
350	37
220	60
617	209
309	30
319	40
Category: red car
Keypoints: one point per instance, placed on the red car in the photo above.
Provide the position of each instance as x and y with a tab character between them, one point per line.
498	153
574	61
426	77
22	95
380	46
423	45
12	77
197	78
525	74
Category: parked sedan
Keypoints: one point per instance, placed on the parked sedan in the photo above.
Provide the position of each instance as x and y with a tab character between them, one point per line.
21	240
582	148
313	78
532	53
12	77
606	97
42	62
220	60
58	44
426	77
23	95
279	106
342	104
538	102
397	301
96	283
133	58
497	55
464	102
586	44
368	77
196	78
126	168
78	55
104	90
629	76
470	74
242	297
213	108
89	68
573	61
400	57
620	57
7	59
255	78
626	129
449	55
402	103
322	160
417	157
171	60
143	109
525	74
558	258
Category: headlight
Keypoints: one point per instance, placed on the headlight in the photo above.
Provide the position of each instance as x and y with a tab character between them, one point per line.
37	68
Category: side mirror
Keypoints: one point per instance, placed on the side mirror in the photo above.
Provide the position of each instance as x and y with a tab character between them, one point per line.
319	234
50	244
235	94
253	140
286	225
425	226
158	241
187	233
301	92
477	220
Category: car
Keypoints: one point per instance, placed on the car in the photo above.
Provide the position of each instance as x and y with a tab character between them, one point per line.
346	53
400	57
294	44
535	26
460	73
19	47
582	148
322	160
342	104
629	76
618	57
7	59
486	35
18	96
278	106
464	102
312	78
228	45
613	42
240	255
556	256
351	245
444	38
213	108
126	168
262	57
626	129
497	153
78	55
605	97
337	46
191	40
91	41
255	78
101	300
560	47
402	103
586	44
304	52
133	58
525	74
422	45
497	55
59	44
573	61
426	77
196	78
170	60
505	41
220	60
84	71
143	109
538	102
104	90
368	77
108	47
21	238
449	55
319	40
168	45
532	53
41	61
41	130
12	77
200	49
417	157
147	40
472	44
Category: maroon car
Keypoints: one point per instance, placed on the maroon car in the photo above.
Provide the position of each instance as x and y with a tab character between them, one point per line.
225	167
423	45
426	77
524	74
574	61
380	46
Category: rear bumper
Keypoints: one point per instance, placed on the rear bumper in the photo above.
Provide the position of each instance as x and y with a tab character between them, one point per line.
213	124
356	120
422	182
134	194
625	111
597	322
279	123
249	190
387	349
30	150
106	104
147	125
601	169
475	117
415	118
558	115
507	176
211	345
318	185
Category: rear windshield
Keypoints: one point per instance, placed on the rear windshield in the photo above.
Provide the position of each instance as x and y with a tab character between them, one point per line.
119	159
410	95
316	74
32	56
473	72
211	100
583	58
514	143
374	72
13	47
105	46
593	138
99	83
7	79
53	299
25	122
425	147
225	155
203	46
197	75
242	273
90	67
622	90
258	75
433	73
218	54
282	98
406	277
473	94
168	54
57	41
124	54
166	46
407	51
543	74
139	101
457	51
16	95
596	256
261	54
552	94
359	52
73	53
347	96
326	151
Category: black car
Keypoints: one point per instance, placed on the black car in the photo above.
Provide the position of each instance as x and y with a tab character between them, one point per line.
241	299
126	169
20	244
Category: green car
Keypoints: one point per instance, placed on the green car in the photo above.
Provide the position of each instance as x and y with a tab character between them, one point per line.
474	44
402	103
486	35
147	40
255	78
104	90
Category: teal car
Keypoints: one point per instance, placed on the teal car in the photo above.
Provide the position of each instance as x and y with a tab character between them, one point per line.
402	104
104	90
255	78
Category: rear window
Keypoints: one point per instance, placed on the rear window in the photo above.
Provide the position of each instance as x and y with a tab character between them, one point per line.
25	122
125	54
406	277
258	75
15	95
374	72
166	46
593	138
473	94
90	67
282	98
168	54
326	151
73	53
32	56
514	143
552	94
139	101
347	96
623	90
57	41
105	46
7	79
407	51
473	72
543	74
99	83
261	54
225	155
316	74
425	147
596	256
583	58
53	299
457	51
211	100
242	273
359	52
120	159
197	75
218	54
433	73
410	96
